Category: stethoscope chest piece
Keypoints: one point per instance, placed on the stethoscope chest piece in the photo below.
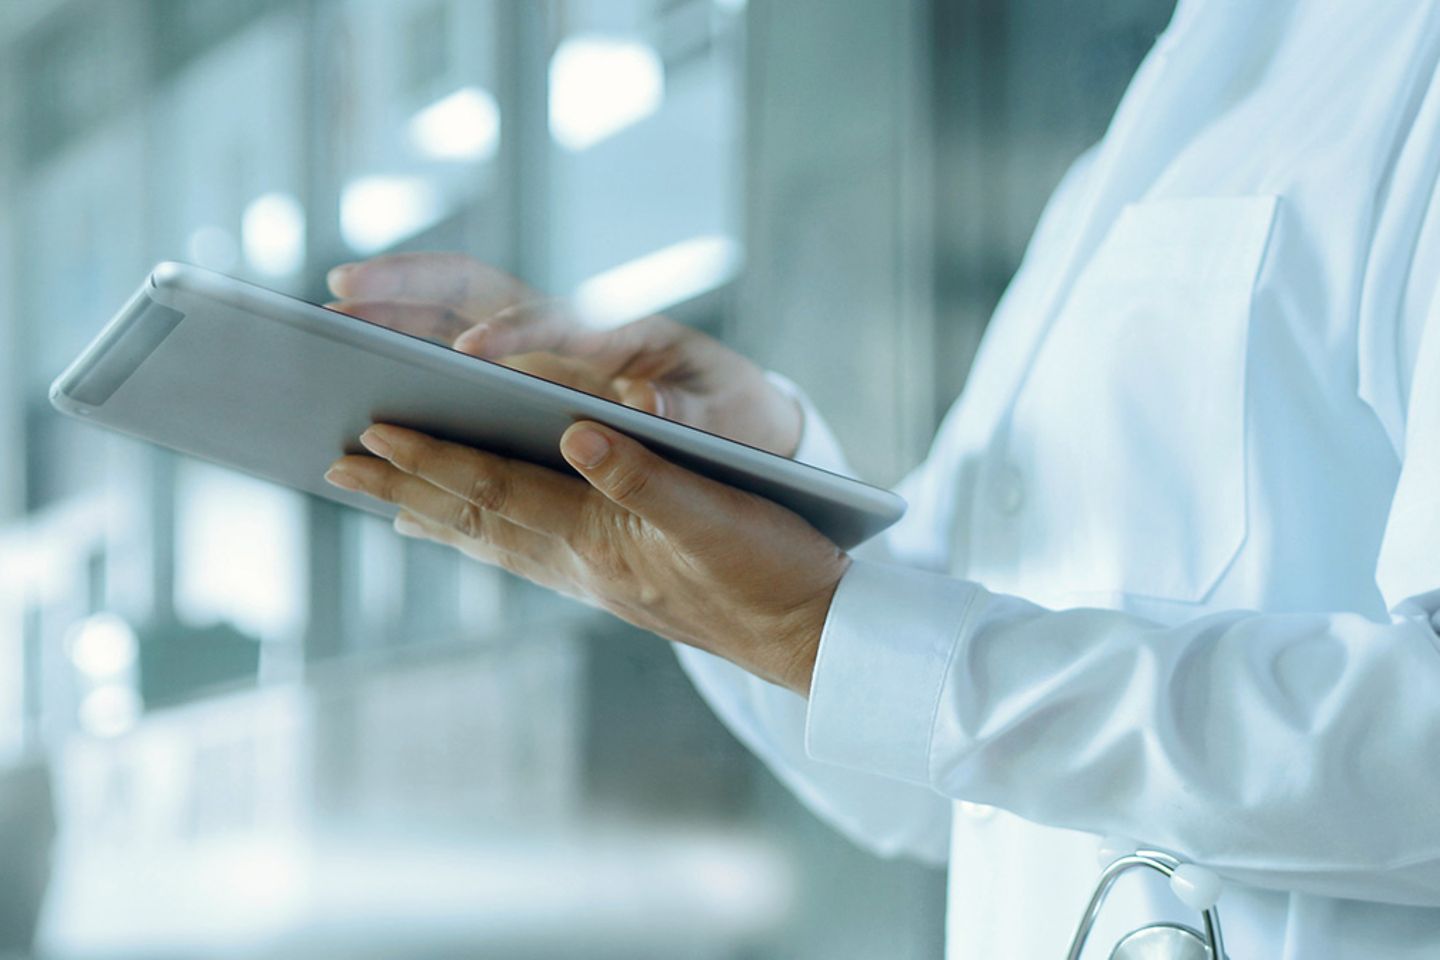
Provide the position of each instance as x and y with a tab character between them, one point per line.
1162	941
1195	887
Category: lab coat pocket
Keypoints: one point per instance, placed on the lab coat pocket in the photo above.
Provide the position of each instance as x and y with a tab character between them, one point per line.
1131	423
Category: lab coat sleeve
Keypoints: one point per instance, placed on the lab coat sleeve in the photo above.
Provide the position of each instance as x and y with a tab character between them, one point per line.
882	814
1298	752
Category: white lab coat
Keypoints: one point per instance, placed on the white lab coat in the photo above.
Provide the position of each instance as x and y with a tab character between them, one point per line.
1166	571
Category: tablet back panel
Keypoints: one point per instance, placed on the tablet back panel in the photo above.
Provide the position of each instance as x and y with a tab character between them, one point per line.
275	387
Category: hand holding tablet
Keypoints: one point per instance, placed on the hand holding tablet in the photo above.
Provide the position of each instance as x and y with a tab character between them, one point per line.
697	538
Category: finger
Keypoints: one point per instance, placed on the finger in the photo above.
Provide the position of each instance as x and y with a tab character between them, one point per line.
639	350
576	374
643	350
450	278
534	497
416	527
643	395
384	481
431	321
541	570
673	499
531	327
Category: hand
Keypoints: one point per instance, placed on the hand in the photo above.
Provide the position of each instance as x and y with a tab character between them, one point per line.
682	556
653	364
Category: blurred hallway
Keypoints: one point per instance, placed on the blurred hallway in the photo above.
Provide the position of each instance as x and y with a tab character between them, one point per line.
261	726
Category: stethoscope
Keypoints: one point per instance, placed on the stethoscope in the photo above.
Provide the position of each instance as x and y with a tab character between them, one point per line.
1194	886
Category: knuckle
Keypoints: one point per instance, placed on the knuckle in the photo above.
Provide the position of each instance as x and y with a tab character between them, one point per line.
488	491
599	538
628	483
587	537
470	521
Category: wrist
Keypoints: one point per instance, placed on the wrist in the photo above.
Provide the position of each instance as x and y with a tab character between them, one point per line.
804	626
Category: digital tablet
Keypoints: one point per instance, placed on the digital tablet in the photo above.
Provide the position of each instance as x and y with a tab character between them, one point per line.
279	388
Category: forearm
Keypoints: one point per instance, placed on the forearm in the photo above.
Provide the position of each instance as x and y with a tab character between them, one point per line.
1295	751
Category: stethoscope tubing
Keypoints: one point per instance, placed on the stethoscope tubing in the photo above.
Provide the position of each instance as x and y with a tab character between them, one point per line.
1158	861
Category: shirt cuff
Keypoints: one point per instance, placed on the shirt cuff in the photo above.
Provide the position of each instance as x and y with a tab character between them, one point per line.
884	652
818	445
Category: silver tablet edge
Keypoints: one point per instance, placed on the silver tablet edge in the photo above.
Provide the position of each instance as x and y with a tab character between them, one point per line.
170	282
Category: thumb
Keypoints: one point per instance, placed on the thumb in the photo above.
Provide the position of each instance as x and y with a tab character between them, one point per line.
646	485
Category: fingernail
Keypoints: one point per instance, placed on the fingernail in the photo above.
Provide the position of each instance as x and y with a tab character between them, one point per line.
588	448
408	526
644	396
342	478
338	274
376	444
472	340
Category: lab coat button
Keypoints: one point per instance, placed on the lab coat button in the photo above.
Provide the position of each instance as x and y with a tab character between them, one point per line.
1009	491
